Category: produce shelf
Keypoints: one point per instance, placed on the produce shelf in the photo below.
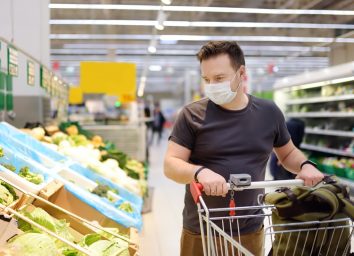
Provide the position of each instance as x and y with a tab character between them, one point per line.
330	132
320	114
321	99
326	150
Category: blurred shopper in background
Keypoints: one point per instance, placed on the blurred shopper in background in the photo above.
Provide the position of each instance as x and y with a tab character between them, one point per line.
296	128
158	123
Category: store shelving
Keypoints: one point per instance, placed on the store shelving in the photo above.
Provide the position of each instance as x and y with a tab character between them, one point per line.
326	150
324	100
320	114
329	132
321	99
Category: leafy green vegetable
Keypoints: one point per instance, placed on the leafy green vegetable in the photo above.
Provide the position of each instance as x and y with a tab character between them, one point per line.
108	248
40	216
127	207
9	166
34	244
6	197
10	189
101	190
30	176
70	252
90	239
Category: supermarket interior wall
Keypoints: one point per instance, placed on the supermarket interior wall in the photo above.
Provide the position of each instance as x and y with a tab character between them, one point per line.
28	30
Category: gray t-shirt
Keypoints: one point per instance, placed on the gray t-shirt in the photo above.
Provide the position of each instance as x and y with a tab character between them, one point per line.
230	142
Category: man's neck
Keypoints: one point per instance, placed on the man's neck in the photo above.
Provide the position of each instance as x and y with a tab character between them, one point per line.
238	103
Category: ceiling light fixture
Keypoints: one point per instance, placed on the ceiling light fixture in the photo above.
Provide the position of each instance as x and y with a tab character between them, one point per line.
202	9
152	49
166	2
199	23
201	38
155	68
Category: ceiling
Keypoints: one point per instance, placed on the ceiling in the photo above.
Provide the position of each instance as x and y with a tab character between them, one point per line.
275	45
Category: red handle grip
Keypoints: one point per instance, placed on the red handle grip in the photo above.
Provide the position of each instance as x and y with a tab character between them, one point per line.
196	190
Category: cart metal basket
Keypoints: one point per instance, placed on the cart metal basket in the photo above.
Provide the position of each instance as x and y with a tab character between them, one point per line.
329	237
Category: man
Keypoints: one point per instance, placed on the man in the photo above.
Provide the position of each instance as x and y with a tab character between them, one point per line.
228	132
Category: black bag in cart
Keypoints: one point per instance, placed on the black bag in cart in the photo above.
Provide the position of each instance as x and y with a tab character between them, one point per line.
312	220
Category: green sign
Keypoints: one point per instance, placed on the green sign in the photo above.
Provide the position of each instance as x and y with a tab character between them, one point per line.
12	57
45	78
30	73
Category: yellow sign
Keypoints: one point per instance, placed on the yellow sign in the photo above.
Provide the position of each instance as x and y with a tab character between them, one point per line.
75	95
112	78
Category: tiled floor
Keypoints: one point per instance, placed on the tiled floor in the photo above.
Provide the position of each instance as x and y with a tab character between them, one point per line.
162	226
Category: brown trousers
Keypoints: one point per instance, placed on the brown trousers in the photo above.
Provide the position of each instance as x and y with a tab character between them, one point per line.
191	243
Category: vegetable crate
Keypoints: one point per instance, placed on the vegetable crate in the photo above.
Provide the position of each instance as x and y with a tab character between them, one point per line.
59	231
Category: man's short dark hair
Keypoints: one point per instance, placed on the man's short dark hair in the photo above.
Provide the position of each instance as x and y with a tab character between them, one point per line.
215	48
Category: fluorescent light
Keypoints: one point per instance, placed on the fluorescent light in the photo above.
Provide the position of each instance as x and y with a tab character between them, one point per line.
201	9
105	22
201	38
322	83
152	49
155	68
270	48
200	24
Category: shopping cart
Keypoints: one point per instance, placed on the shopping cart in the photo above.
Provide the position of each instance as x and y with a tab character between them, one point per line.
333	237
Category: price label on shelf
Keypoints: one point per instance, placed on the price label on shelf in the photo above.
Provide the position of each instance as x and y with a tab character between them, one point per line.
30	73
12	61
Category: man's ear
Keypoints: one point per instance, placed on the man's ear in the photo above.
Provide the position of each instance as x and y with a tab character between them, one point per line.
242	71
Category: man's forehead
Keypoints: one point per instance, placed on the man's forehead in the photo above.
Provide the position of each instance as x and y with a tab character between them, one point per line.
214	73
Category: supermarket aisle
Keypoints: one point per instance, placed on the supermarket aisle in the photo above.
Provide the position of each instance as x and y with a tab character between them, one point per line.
162	227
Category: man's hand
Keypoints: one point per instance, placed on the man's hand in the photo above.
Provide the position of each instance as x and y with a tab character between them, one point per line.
310	175
213	183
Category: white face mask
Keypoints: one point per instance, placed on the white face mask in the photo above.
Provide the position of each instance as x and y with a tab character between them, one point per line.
221	93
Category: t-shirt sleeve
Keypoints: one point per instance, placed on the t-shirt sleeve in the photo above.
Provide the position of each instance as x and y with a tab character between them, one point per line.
182	132
282	135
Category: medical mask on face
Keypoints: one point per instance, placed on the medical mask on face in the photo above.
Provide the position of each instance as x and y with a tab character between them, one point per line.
221	93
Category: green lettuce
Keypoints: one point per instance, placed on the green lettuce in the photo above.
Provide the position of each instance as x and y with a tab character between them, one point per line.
34	244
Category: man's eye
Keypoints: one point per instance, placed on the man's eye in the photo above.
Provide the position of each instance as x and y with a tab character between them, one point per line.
219	78
206	81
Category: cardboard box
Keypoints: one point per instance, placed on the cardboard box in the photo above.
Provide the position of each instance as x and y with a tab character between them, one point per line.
56	193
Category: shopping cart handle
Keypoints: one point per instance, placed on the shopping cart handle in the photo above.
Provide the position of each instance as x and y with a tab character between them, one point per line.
197	188
196	191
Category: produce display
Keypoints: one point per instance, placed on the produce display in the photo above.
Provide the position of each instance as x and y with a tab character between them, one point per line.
93	153
24	172
33	241
340	166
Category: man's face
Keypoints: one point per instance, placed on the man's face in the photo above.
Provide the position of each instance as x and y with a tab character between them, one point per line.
218	69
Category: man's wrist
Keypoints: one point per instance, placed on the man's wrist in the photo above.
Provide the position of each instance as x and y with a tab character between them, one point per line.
307	162
201	168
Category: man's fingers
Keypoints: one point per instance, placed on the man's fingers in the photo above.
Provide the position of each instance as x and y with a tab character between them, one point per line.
207	189
225	189
219	189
